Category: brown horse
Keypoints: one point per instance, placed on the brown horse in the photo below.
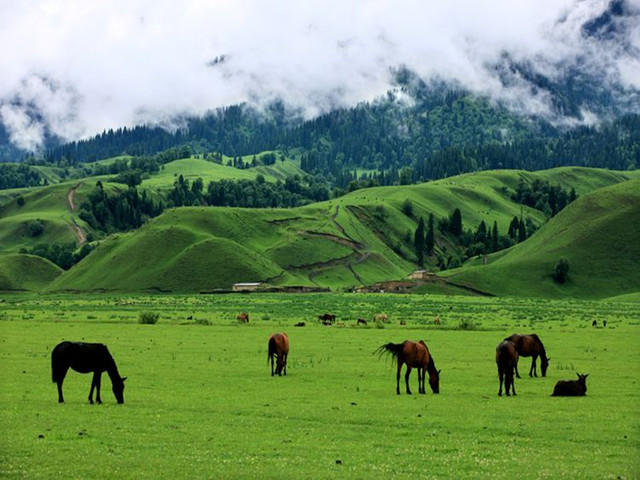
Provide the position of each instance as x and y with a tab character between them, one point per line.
506	359
414	355
279	348
530	346
243	317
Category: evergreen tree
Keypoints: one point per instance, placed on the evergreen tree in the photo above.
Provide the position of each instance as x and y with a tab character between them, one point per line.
419	241
430	236
455	224
522	231
495	237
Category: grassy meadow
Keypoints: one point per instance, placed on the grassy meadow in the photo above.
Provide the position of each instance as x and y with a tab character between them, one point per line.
200	401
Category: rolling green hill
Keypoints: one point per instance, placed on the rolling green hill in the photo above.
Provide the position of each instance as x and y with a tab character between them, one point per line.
598	234
26	272
360	238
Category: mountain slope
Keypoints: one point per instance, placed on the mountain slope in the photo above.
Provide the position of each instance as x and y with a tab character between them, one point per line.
360	238
598	234
26	272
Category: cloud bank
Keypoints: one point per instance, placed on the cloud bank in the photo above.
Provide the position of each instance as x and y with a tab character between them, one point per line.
72	68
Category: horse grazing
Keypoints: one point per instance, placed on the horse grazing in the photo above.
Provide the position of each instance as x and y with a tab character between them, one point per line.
243	317
530	346
381	317
279	348
436	320
414	355
84	358
327	318
362	321
506	359
571	388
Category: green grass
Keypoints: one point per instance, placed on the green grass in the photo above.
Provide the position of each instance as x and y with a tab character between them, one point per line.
193	168
360	238
200	401
598	234
26	272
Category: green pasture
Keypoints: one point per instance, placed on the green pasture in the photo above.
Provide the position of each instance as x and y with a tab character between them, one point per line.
200	401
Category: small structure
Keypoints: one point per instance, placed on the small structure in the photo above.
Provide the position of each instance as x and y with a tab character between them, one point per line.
246	287
421	275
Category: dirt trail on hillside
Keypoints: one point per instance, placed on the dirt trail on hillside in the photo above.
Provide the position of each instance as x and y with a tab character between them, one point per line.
81	237
71	195
77	230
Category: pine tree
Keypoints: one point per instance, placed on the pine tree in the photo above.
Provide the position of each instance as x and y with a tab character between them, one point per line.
455	224
429	238
522	231
419	241
494	237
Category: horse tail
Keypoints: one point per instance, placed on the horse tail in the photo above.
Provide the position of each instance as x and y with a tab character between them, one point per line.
272	348
394	349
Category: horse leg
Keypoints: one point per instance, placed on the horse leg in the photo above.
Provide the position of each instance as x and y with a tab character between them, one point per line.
500	376
398	378
99	375
60	378
419	379
513	384
95	382
406	378
516	367
533	366
284	363
271	356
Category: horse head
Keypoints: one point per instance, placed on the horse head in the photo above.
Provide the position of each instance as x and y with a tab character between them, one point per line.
544	364
118	389
434	381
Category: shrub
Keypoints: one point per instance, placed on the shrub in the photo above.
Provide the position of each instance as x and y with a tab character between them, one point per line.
407	208
36	227
466	324
148	318
561	270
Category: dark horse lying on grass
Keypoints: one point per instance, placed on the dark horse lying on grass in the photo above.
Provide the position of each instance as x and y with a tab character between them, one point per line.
279	348
530	346
85	358
571	388
506	359
414	355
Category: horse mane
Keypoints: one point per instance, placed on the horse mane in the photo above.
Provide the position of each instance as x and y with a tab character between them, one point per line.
543	352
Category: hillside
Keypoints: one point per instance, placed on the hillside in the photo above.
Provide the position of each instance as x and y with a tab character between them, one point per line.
26	272
598	234
360	238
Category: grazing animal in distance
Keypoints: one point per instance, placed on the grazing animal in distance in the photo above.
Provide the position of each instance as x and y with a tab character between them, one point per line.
402	322
300	324
571	388
190	317
85	358
362	321
327	318
506	359
594	323
278	348
381	317
413	355
436	320
530	346
243	317
604	323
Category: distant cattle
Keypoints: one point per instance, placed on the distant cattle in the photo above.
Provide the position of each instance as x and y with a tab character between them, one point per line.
402	322
604	323
594	323
362	321
243	317
300	324
381	317
436	320
571	388
327	317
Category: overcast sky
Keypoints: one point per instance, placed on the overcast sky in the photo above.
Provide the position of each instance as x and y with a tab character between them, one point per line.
85	66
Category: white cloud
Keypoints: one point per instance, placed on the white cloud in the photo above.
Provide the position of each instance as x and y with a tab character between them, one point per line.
129	61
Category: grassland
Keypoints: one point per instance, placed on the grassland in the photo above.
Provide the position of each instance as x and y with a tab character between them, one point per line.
200	401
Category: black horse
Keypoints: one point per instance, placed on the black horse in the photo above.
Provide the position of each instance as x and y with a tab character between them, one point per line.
85	358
